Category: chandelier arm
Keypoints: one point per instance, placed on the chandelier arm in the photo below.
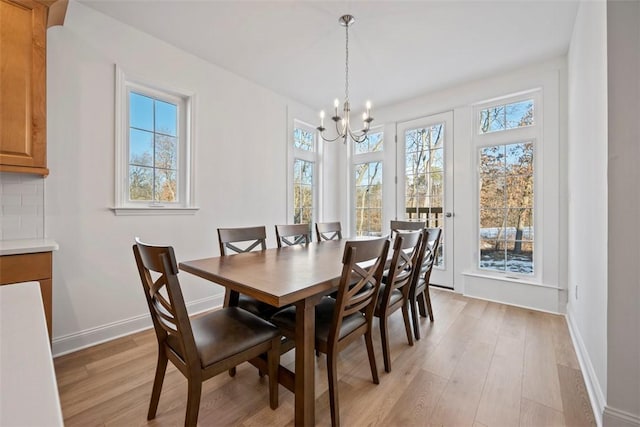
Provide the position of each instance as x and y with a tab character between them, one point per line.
329	139
358	138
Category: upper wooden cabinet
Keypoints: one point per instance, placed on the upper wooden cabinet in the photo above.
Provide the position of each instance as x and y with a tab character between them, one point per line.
23	146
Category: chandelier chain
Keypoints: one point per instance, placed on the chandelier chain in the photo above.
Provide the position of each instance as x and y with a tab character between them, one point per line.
346	64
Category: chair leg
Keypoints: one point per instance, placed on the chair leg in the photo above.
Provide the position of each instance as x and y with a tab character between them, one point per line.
332	374
407	323
414	317
161	368
422	307
193	402
427	297
273	360
368	338
384	334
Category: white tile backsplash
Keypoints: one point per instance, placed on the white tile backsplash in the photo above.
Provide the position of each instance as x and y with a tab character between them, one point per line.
21	206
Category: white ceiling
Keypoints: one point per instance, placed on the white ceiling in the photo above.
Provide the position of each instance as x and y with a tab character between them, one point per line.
398	49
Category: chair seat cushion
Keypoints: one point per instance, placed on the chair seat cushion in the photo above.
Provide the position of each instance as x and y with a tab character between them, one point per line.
222	333
286	320
259	308
396	295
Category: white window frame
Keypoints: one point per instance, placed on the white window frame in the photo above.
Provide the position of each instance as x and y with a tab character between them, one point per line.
532	133
312	156
185	205
369	157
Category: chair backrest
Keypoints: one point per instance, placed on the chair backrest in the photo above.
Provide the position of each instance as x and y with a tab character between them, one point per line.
293	234
361	295
404	261
427	255
164	297
397	226
328	231
250	237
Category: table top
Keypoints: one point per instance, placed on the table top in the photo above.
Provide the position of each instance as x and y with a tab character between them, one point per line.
277	276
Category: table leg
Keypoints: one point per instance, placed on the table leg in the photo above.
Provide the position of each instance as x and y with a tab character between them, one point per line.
305	395
231	298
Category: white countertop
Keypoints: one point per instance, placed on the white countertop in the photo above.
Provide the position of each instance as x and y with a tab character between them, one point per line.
27	378
27	246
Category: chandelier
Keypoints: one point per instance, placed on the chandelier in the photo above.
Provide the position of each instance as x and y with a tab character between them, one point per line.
343	123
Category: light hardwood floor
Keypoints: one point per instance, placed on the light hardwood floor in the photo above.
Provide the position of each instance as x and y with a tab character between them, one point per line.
478	364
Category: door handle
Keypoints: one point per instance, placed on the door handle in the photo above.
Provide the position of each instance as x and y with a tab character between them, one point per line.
448	214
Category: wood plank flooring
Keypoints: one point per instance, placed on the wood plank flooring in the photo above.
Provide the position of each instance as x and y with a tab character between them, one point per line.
478	364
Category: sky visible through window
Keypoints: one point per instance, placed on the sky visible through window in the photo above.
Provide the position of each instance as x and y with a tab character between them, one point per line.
153	149
303	139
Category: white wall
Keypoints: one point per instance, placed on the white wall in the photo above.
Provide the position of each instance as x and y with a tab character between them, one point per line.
548	291
587	180
623	312
240	172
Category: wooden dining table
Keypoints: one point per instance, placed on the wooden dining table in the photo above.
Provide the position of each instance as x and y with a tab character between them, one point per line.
299	275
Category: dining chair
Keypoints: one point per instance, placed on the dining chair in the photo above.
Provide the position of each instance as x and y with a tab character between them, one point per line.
394	291
240	240
397	226
341	321
419	291
243	239
293	234
328	231
204	346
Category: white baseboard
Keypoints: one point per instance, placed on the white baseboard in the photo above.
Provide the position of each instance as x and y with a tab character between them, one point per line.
517	293
596	396
526	307
90	337
613	417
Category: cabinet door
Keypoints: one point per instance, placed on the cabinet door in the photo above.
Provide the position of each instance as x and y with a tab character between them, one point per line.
23	86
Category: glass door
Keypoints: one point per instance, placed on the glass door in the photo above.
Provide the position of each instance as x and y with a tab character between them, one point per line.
425	183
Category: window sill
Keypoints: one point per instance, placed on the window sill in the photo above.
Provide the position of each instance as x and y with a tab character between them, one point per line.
153	211
507	279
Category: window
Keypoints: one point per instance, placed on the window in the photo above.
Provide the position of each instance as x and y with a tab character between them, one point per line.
506	207
507	116
367	178
154	168
506	187
304	173
153	149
